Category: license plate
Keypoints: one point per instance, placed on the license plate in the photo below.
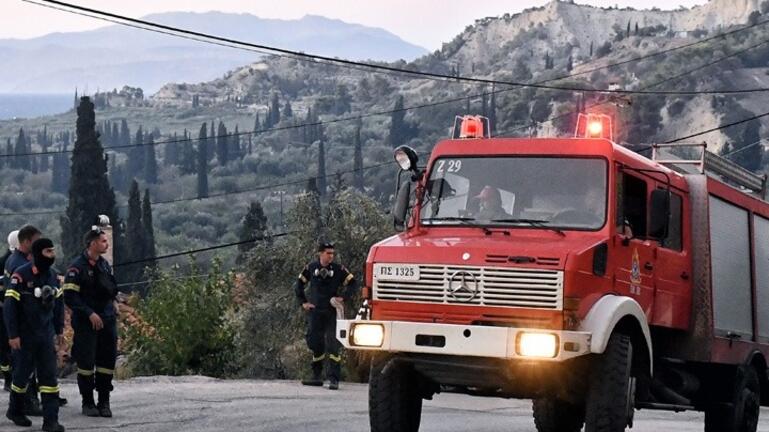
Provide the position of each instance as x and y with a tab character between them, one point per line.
396	272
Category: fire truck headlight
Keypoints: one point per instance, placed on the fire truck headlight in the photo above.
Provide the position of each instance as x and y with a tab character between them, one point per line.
368	335
544	345
406	157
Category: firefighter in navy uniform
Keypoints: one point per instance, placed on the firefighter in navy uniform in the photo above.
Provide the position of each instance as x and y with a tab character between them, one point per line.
5	349
33	317
90	291
325	278
21	256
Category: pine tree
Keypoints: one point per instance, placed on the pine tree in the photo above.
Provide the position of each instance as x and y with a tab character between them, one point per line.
222	147
254	226
150	161
135	243
202	166
149	230
358	157
90	194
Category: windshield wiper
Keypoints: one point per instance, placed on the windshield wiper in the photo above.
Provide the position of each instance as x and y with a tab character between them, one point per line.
538	223
467	221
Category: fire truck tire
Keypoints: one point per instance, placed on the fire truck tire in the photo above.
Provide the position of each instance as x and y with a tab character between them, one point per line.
610	396
395	404
742	414
556	415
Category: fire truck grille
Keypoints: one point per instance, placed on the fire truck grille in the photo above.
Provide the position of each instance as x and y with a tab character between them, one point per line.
481	286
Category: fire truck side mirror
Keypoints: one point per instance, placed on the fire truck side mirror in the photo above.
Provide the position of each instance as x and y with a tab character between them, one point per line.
660	214
402	206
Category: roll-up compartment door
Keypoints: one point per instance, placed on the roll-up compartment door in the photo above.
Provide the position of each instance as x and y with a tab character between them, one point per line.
730	264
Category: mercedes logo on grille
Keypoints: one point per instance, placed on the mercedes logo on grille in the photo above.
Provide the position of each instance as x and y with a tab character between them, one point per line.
463	286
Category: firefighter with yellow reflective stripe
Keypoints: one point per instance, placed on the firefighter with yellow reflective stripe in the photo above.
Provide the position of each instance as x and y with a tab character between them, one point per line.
5	349
325	278
33	314
90	291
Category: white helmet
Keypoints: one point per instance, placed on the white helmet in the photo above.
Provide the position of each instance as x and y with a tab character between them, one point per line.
13	240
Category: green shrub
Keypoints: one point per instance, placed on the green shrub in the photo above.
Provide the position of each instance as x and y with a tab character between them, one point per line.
184	325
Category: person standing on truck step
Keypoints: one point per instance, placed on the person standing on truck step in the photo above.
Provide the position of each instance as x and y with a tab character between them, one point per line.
5	349
90	291
33	317
325	278
22	255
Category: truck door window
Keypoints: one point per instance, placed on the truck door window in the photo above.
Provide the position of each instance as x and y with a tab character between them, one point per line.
674	238
631	205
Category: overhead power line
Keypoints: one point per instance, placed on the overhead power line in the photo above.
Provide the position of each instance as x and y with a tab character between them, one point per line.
205	249
373	66
726	126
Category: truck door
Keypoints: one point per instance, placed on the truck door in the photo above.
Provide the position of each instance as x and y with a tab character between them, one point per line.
672	301
635	254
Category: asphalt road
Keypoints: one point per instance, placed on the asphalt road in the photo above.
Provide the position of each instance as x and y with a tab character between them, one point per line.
197	404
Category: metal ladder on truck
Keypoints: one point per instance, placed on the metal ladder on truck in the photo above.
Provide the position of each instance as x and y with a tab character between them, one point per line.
713	165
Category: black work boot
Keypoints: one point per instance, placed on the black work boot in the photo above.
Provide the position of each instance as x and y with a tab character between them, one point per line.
333	384
103	406
32	406
52	426
89	407
15	411
317	375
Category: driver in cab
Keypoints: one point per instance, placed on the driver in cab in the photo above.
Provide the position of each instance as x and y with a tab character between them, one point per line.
490	204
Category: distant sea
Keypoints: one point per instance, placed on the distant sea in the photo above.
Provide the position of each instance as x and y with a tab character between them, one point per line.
33	105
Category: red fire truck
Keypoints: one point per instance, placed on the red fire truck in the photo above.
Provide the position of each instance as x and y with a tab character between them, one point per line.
574	272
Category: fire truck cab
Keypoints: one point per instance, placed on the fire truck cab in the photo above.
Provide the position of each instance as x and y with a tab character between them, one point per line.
573	272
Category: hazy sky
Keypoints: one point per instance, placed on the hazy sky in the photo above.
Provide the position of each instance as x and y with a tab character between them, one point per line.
425	22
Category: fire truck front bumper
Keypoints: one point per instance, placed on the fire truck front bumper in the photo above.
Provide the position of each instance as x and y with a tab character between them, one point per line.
463	340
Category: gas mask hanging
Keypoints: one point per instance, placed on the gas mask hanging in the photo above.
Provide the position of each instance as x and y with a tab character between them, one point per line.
324	273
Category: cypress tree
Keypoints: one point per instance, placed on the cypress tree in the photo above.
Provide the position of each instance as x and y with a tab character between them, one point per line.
115	139
171	152
90	194
321	168
397	124
189	162
493	110
257	123
149	230
287	110
22	148
274	110
234	151
125	134
202	166
136	154
134	235
358	158
211	145
222	147
254	226
151	162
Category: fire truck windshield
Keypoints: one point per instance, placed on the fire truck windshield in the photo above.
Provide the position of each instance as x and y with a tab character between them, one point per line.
538	192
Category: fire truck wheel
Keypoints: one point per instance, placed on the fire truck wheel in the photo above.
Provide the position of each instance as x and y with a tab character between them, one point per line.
610	395
556	415
395	404
742	414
